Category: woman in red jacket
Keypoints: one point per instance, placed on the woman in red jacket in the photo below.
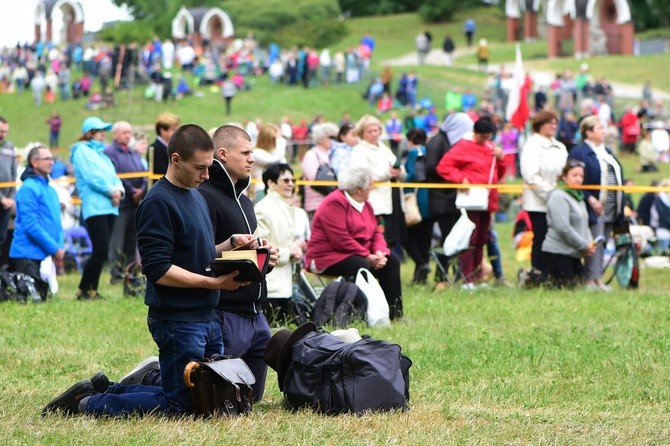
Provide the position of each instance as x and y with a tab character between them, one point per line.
470	162
346	237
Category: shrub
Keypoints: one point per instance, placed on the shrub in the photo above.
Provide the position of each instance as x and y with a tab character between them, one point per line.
312	22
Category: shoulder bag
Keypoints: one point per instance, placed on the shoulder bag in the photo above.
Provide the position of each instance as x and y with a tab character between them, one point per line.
411	207
475	198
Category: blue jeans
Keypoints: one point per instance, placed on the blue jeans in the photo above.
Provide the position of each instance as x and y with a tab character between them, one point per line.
121	400
178	344
246	337
493	251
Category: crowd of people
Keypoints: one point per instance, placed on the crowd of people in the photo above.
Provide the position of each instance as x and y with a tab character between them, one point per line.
193	193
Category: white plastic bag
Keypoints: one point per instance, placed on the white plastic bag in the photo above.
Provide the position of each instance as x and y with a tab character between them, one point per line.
378	307
458	238
48	274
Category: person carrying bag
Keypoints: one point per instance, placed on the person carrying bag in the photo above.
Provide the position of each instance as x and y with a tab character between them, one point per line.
475	160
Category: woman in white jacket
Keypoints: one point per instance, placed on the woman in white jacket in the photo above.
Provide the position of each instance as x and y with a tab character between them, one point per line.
373	153
542	160
279	222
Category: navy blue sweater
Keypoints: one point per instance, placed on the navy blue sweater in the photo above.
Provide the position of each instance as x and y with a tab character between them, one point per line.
173	228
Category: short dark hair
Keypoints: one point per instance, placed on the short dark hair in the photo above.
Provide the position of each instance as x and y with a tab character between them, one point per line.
3	120
484	125
542	117
417	136
188	139
34	150
344	129
272	172
228	135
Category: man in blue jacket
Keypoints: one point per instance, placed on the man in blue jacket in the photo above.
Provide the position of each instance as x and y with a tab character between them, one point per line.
38	232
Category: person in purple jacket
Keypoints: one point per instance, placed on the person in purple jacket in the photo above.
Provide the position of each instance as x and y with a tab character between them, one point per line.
122	246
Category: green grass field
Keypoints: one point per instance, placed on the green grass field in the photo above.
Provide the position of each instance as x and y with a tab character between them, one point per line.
497	366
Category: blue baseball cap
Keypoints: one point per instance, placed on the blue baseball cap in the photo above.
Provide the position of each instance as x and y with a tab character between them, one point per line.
94	123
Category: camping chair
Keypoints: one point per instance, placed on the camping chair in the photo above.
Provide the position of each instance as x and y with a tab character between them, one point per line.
78	248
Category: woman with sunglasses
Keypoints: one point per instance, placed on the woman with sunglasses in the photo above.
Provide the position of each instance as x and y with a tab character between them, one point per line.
279	222
568	236
605	206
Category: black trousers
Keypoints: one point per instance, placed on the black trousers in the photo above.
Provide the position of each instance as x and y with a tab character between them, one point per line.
31	268
565	271
418	241
388	277
539	222
100	230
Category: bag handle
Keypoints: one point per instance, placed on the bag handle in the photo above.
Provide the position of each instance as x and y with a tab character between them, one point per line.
187	373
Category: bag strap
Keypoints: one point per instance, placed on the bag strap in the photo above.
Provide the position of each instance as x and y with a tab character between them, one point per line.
318	157
493	164
350	292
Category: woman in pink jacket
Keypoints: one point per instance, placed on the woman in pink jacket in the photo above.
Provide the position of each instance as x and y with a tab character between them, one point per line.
470	162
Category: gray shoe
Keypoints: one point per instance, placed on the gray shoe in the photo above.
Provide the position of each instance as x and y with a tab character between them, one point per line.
136	375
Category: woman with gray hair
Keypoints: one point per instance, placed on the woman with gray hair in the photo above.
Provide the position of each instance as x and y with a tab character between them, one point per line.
323	135
346	237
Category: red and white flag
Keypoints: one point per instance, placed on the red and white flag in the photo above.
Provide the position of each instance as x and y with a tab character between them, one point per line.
518	111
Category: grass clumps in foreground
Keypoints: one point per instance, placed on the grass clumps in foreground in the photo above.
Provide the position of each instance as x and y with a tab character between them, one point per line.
490	367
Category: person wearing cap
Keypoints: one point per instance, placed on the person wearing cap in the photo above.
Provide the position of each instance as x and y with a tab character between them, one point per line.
442	202
101	192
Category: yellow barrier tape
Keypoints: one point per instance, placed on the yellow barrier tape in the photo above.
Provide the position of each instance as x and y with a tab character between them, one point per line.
503	188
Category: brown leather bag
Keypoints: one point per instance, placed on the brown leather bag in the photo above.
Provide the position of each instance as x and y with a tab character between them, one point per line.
220	385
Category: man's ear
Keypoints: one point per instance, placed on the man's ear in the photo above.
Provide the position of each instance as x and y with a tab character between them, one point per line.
222	152
174	159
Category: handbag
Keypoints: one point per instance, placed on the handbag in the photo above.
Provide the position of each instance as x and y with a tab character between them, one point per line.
325	173
458	238
475	198
220	385
412	213
377	313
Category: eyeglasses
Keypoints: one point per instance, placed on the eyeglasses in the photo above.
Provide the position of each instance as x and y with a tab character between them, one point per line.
287	180
49	158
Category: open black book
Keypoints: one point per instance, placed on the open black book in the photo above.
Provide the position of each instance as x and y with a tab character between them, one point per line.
251	263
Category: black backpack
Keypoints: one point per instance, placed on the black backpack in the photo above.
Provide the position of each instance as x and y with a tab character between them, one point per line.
332	376
340	303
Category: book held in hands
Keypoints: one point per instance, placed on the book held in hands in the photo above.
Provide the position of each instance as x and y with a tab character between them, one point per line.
252	264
